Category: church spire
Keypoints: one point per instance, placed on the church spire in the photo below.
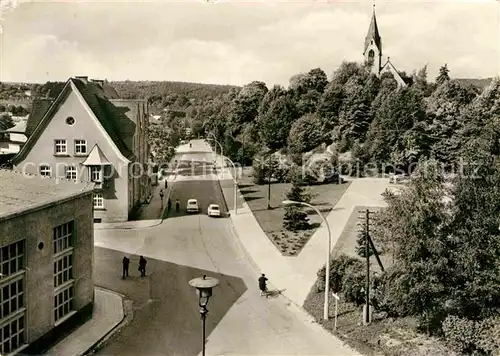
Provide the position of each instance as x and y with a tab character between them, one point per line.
373	34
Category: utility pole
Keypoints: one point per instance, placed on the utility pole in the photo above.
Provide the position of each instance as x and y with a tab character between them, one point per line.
368	244
269	184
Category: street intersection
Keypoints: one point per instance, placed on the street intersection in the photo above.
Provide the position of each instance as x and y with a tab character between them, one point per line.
166	319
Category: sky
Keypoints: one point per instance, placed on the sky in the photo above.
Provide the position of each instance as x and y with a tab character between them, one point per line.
236	42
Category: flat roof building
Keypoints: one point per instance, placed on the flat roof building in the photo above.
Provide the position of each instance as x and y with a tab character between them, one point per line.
46	260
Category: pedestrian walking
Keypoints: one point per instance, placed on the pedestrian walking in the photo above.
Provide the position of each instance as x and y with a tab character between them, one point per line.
142	266
263	285
125	262
177	205
169	205
166	183
161	196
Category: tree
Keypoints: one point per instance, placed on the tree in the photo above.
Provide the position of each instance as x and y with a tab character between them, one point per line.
275	124
305	134
330	103
480	133
197	128
6	122
244	107
476	242
444	109
295	218
443	75
415	228
361	245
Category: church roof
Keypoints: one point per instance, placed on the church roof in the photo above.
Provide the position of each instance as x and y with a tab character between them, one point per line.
373	33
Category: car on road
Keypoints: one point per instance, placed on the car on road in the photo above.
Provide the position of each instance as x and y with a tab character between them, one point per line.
398	178
213	210
192	206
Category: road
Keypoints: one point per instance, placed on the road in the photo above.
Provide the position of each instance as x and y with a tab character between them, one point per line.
166	319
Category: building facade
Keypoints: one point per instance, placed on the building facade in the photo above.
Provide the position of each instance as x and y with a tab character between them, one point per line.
46	260
373	53
89	134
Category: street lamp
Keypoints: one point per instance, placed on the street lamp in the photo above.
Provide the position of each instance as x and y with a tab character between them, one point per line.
221	150
204	287
235	186
327	268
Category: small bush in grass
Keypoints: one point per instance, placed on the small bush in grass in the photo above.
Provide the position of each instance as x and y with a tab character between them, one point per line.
338	267
353	283
489	337
461	333
470	336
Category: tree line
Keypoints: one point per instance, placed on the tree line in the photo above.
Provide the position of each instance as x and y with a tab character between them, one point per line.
370	117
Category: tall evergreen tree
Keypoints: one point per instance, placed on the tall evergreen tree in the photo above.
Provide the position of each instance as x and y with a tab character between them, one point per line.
443	75
295	218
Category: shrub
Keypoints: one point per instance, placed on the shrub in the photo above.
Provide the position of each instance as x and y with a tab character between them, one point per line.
489	336
353	283
361	245
338	268
461	333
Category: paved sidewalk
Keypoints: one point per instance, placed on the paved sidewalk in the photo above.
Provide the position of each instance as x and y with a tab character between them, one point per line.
149	215
296	275
107	314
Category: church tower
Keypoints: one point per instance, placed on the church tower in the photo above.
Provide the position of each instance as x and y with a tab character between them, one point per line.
373	46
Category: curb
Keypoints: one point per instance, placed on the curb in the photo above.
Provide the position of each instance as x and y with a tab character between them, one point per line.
296	308
113	329
143	227
223	198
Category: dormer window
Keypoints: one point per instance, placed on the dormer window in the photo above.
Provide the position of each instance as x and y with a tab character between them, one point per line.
96	174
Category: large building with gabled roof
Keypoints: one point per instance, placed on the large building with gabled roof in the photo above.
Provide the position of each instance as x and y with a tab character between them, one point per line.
89	134
373	53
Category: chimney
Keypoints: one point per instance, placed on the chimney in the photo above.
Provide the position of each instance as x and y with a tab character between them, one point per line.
99	82
83	78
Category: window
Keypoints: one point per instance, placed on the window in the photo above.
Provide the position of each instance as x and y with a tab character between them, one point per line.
63	302
63	270
98	200
70	121
71	172
63	237
80	147
45	171
12	258
12	297
95	174
12	335
60	147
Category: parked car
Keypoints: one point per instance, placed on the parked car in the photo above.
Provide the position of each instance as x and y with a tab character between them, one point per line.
398	178
192	206
213	210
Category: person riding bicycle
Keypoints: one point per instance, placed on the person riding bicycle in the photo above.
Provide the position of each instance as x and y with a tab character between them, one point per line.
263	285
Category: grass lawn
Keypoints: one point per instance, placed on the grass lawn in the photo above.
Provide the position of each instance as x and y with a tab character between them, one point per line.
385	336
271	220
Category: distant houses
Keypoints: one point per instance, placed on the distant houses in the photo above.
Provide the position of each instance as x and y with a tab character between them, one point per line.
89	134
